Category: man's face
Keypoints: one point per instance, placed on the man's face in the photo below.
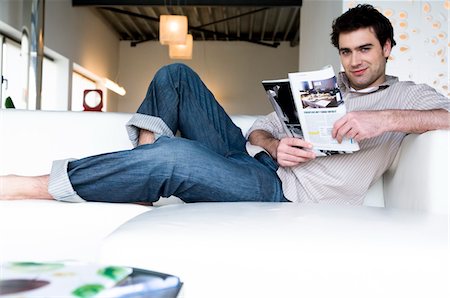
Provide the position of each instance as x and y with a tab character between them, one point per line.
363	58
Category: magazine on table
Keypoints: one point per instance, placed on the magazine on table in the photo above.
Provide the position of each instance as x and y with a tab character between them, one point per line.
308	104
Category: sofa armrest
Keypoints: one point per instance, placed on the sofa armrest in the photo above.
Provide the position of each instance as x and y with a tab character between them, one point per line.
418	178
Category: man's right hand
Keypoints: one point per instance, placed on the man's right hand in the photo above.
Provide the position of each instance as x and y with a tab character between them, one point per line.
293	151
288	152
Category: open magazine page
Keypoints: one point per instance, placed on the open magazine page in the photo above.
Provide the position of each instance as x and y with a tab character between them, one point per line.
280	96
319	104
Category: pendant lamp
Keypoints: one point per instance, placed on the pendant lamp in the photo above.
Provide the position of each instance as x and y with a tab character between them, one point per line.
173	29
182	51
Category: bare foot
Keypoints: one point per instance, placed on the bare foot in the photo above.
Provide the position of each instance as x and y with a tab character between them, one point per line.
14	187
146	137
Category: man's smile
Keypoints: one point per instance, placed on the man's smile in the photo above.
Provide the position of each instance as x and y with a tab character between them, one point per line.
358	72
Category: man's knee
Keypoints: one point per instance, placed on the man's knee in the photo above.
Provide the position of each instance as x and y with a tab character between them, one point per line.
175	68
173	73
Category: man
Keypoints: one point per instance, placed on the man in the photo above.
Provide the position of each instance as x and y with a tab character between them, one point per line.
209	162
382	112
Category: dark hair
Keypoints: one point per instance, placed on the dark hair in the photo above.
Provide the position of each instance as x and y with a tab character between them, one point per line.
363	16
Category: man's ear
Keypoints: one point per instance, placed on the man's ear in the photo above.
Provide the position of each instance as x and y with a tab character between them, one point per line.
387	48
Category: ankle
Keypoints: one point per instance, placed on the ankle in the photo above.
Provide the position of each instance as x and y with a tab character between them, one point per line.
41	187
146	137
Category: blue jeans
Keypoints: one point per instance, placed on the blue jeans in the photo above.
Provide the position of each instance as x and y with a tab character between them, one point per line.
208	163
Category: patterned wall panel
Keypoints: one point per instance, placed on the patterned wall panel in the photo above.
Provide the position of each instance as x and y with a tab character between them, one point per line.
421	31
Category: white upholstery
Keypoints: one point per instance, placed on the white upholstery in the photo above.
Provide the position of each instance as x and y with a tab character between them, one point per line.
41	230
30	140
286	250
419	178
50	230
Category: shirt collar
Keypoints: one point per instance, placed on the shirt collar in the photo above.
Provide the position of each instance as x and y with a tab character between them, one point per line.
344	84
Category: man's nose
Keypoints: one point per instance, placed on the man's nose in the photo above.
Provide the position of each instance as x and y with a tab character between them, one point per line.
355	59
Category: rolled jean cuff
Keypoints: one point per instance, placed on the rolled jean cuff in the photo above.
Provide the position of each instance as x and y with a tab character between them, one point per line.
59	185
147	122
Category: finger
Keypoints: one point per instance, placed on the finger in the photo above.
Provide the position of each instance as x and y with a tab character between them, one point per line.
286	150
296	142
297	155
292	161
297	152
352	133
337	125
342	132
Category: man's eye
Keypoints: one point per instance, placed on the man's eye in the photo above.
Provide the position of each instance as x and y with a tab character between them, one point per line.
364	50
344	52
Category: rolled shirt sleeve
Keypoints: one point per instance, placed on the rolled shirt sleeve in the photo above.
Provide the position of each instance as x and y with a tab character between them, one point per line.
270	123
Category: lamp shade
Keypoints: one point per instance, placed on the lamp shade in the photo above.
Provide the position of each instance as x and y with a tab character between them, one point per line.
182	51
173	29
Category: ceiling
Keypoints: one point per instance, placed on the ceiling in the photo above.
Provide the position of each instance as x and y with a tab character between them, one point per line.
262	22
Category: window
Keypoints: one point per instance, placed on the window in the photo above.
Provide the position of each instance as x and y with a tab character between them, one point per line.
50	99
14	67
14	74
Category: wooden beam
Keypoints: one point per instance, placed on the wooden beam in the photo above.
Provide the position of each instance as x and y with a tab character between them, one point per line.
260	3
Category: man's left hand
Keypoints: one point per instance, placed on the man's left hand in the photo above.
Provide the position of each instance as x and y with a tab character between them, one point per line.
359	125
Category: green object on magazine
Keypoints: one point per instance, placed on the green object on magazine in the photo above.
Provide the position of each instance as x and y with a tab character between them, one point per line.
114	273
34	267
88	291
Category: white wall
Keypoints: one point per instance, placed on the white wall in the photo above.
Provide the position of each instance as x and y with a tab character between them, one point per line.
11	13
233	71
80	34
316	49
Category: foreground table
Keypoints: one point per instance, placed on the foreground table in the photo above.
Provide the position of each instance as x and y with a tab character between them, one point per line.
288	250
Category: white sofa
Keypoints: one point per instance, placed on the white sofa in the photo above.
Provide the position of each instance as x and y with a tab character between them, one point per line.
40	230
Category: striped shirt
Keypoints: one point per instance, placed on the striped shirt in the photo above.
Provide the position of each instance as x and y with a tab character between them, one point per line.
346	178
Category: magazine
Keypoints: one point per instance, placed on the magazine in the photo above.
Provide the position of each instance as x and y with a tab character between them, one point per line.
83	280
308	104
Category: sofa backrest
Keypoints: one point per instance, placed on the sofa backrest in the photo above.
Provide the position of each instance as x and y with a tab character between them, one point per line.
31	140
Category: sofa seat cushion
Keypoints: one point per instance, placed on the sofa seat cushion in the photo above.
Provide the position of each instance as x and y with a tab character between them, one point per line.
287	250
43	230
